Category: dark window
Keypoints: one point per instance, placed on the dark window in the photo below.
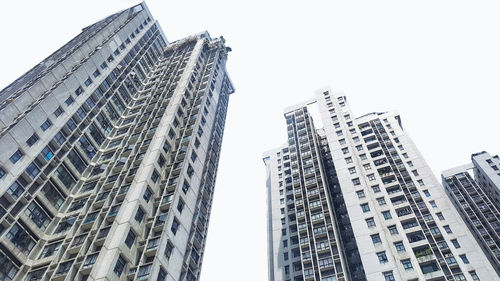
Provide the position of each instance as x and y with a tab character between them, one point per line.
65	176
147	194
46	125
47	153
59	138
69	100
32	170
161	275
16	156
180	205
2	173
88	82
185	186
130	238
79	91
155	176
37	215
175	226
120	265
139	215
32	140
168	250
23	241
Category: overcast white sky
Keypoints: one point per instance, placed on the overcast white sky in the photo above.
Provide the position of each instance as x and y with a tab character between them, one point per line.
436	62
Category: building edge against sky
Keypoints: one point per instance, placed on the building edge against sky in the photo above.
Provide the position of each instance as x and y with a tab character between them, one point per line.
404	226
108	155
474	189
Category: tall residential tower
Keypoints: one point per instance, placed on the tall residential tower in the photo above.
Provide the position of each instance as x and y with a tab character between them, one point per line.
355	200
474	191
108	155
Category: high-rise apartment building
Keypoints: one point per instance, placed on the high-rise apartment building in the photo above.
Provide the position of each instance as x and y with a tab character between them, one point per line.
474	191
108	155
355	200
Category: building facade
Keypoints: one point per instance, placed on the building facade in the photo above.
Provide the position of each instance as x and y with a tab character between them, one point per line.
108	155
474	191
387	216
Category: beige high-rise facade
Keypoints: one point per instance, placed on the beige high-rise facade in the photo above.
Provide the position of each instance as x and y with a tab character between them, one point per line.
108	155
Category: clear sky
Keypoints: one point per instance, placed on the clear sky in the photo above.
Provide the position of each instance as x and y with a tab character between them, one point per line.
436	62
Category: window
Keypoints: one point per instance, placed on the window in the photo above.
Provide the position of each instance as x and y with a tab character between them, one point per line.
415	172
144	271
50	250
46	125
370	222
119	266
348	160
155	176
69	101
65	176
474	275
185	187
365	207
285	256
15	189
393	229
360	193
79	91
399	246
447	229
371	177
16	156
180	205
359	147
440	216
427	194
32	140
433	204
376	239
90	261
32	170
362	156
37	215
387	215
21	239
88	82
455	243
345	150
175	226
2	173
139	215
193	156
59	138
130	238
147	194
352	170
96	73
356	181
381	201
161	161
376	188
367	167
168	250
64	268
382	257
407	265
